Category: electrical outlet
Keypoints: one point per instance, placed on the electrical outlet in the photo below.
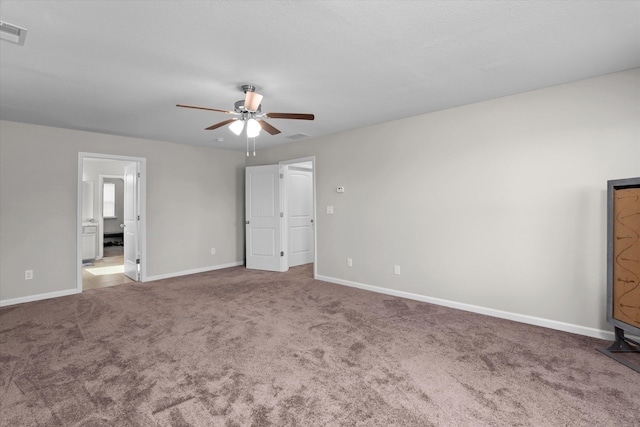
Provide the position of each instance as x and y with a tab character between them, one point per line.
349	262
213	251
28	274
396	269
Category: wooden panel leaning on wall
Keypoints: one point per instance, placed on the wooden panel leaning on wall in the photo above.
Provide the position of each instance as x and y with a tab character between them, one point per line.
626	256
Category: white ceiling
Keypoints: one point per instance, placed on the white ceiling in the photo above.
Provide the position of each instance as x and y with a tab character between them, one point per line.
119	67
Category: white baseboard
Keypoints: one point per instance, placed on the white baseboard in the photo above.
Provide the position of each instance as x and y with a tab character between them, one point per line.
31	298
522	318
193	271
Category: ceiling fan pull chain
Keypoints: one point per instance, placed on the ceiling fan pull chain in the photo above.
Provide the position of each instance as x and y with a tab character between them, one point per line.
254	147
247	146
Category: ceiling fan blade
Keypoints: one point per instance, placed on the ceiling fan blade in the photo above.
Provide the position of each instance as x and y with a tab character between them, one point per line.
295	116
217	125
252	101
268	128
205	108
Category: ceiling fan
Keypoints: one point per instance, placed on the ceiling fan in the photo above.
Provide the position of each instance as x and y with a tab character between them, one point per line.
249	110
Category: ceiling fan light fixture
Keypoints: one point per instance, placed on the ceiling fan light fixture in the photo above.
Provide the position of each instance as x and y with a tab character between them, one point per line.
252	101
237	126
253	128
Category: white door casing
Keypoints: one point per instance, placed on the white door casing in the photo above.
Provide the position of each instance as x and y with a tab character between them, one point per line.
131	222
263	220
140	195
299	212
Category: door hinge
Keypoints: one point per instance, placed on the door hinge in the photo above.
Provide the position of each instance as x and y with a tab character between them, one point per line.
138	217
138	174
138	261
281	214
282	253
281	175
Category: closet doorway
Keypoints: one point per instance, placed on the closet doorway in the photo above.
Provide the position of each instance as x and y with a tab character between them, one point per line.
280	229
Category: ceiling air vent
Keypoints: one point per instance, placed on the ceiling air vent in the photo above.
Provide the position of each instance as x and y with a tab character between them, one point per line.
298	136
12	33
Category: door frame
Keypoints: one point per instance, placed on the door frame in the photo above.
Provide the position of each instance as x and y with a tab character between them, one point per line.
142	199
284	233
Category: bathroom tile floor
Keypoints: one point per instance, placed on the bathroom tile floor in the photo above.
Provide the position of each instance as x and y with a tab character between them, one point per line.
105	272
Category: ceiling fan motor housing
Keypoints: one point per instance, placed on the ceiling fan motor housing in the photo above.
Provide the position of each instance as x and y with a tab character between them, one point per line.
239	107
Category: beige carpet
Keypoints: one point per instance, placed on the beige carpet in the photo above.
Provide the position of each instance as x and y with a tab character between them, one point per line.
247	348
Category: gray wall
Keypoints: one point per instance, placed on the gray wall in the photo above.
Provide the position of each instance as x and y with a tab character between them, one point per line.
499	205
194	202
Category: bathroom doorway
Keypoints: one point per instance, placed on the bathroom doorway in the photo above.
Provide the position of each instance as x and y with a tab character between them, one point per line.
110	221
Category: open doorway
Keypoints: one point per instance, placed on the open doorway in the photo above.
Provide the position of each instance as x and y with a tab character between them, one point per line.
110	220
280	215
112	217
299	213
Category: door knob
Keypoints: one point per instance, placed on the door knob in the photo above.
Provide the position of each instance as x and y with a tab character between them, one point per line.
122	225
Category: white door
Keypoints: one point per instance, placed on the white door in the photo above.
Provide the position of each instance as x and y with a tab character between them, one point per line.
300	215
131	222
262	218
